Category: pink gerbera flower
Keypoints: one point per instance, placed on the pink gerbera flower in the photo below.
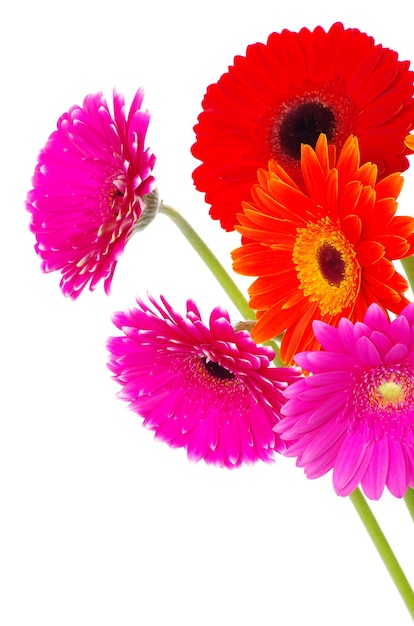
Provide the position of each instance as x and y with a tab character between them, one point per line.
207	388
355	412
88	190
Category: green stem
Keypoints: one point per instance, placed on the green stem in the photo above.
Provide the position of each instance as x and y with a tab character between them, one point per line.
409	501
210	260
276	349
384	549
408	265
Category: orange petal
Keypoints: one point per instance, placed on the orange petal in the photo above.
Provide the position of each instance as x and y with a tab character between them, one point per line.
409	142
369	252
297	335
352	227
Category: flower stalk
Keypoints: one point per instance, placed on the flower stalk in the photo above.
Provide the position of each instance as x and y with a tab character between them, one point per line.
408	265
409	501
210	260
383	549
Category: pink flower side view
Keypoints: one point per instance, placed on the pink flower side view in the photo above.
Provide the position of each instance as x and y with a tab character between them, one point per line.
207	388
355	412
88	190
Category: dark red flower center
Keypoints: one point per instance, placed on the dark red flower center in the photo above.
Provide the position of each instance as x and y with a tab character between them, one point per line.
217	370
331	264
303	124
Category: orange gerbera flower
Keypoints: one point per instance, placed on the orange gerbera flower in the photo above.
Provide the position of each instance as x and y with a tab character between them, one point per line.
324	252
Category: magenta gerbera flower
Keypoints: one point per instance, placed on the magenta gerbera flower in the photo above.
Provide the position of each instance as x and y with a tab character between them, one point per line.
88	190
354	413
207	388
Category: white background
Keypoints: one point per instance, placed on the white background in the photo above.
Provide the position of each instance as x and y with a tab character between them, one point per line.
100	525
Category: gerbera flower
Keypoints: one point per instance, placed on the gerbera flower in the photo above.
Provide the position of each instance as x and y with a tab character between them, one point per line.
207	388
286	93
88	190
355	412
325	252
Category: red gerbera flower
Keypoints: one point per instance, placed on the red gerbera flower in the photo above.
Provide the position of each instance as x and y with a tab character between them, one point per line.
323	253
286	93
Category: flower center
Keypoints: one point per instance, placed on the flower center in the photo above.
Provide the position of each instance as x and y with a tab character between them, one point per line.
112	194
116	218
217	370
331	264
217	391
301	115
383	402
304	124
390	392
326	266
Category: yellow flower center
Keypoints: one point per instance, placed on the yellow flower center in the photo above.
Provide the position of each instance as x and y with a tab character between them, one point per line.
326	265
383	402
390	392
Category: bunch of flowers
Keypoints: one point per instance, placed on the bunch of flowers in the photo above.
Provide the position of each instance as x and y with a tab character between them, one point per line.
302	144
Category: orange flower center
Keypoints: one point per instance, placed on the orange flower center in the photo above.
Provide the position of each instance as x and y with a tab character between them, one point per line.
326	266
